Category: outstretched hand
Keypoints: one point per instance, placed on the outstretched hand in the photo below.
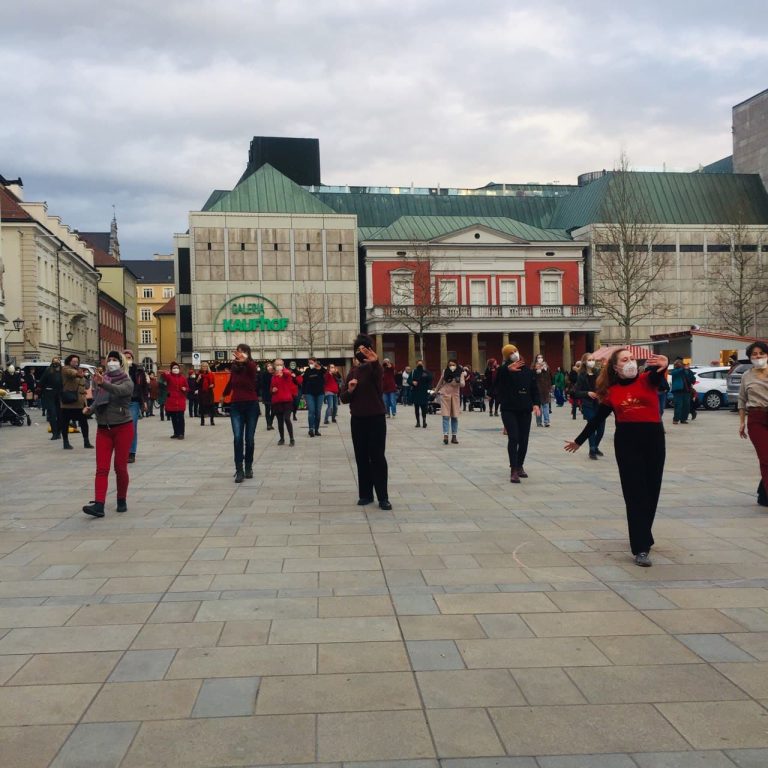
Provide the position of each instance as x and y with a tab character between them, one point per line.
352	385
571	446
657	361
369	354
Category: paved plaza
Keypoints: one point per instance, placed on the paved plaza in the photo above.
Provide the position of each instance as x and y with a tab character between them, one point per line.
479	624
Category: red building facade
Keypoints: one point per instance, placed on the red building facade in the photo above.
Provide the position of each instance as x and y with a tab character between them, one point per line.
111	325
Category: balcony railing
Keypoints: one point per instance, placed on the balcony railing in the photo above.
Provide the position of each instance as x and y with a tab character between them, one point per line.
485	311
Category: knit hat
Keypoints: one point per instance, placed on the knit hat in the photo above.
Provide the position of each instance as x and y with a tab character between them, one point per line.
507	350
114	353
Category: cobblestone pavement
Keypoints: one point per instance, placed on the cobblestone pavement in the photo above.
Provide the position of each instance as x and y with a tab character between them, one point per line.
477	624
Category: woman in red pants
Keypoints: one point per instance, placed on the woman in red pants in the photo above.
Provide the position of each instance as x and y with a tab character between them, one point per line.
753	411
112	406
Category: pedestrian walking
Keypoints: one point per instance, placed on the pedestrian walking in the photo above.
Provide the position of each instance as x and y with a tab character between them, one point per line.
466	390
138	399
333	384
559	380
192	401
162	396
544	384
682	379
491	370
638	441
284	389
518	396
153	394
573	376
363	391
176	400
205	397
405	386
449	387
389	388
50	386
114	432
753	411
313	389
585	389
243	387
420	381
265	394
73	401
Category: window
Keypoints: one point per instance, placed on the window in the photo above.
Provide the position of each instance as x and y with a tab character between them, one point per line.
146	315
402	287
551	287
478	292
146	336
149	293
167	293
447	292
507	291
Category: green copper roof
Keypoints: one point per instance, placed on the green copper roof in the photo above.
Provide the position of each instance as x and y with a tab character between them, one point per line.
381	209
432	227
671	198
268	191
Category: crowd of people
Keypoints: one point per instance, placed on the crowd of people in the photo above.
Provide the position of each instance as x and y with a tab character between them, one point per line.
121	393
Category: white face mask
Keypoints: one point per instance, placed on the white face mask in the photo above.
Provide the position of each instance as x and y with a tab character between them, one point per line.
590	363
629	370
278	369
113	365
759	362
514	357
451	367
174	370
539	359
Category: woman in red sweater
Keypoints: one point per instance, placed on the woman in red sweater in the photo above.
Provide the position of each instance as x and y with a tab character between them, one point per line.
205	383
176	404
284	390
243	386
638	442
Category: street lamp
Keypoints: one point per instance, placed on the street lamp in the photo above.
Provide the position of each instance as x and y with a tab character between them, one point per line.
18	324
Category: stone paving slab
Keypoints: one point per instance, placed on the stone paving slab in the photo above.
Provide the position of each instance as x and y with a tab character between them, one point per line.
476	625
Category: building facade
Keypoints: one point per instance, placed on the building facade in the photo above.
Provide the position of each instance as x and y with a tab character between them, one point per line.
750	136
48	280
111	325
155	285
166	339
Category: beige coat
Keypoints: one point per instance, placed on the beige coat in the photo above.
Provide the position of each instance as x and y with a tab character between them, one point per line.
450	402
71	382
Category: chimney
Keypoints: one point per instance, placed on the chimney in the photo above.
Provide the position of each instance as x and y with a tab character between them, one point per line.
14	186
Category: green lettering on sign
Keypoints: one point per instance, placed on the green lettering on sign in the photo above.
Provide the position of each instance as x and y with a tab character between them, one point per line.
250	315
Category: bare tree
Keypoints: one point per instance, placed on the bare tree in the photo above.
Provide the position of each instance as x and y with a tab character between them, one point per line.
419	300
626	270
310	319
739	279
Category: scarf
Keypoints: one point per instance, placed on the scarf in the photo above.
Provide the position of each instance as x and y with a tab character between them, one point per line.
102	396
449	375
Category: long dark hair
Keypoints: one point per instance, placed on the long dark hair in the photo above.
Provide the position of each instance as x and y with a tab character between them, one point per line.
608	375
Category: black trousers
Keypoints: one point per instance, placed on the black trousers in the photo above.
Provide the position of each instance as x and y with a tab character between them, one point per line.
518	426
420	409
268	414
640	453
282	412
64	416
177	420
369	439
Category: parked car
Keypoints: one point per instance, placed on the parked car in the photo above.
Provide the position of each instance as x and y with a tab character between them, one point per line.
711	386
734	383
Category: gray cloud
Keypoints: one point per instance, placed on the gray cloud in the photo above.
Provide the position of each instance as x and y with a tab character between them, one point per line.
149	105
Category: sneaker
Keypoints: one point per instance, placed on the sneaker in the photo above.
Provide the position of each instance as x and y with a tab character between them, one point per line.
311	432
642	559
67	447
546	425
122	505
599	452
445	439
362	501
317	434
248	472
385	505
94	509
593	455
239	475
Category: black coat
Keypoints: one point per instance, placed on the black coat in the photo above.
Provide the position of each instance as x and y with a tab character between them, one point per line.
516	390
421	380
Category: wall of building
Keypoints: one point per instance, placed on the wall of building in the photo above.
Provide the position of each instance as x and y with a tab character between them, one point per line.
750	136
166	341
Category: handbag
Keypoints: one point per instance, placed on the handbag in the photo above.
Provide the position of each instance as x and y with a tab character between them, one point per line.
68	397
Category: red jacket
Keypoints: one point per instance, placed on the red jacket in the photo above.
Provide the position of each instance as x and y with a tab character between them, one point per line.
177	392
331	384
284	388
388	379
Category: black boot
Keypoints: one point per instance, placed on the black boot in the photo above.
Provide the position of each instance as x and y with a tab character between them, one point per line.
65	438
248	472
762	496
122	505
94	509
87	444
239	474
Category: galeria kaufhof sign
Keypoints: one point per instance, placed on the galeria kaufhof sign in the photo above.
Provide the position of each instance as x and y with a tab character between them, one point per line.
249	312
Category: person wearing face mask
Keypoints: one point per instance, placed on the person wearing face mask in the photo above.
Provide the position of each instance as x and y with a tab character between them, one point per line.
176	399
518	395
332	386
491	371
50	385
363	392
638	441
205	385
313	389
420	381
585	390
112	406
72	401
265	393
544	383
681	391
138	398
753	411
559	380
390	388
449	387
284	390
243	386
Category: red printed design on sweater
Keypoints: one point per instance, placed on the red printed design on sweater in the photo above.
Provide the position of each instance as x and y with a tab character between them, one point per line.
635	402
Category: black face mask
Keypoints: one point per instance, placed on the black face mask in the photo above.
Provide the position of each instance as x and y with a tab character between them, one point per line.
360	356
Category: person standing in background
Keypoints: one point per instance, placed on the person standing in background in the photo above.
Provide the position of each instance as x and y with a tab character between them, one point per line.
243	386
420	380
573	375
138	399
194	406
585	389
448	387
389	388
73	401
544	384
205	398
332	387
313	389
405	386
681	392
558	380
50	385
154	392
490	386
266	394
753	411
176	401
283	393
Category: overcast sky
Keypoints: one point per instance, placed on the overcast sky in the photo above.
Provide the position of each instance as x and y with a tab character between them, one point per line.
151	104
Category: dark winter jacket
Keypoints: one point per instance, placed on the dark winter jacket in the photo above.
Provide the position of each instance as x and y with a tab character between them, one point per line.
516	390
313	381
420	381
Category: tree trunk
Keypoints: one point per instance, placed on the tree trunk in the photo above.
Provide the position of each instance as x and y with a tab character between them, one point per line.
421	345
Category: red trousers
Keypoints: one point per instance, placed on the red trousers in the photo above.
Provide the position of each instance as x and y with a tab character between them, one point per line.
757	429
111	440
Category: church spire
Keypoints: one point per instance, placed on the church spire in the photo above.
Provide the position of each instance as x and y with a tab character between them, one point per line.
114	245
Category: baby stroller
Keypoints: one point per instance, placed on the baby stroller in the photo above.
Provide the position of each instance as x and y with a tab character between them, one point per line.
433	403
477	399
12	410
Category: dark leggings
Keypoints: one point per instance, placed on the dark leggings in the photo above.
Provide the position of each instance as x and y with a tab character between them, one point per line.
369	439
518	426
640	453
420	409
282	412
177	421
71	414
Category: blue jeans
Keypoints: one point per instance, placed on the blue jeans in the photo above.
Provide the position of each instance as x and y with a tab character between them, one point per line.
331	406
453	423
135	413
544	418
243	417
314	410
588	410
390	402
